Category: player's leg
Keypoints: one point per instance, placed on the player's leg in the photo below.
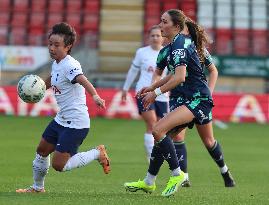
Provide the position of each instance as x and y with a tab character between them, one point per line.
181	152
41	162
178	140
179	116
150	118
206	133
66	157
164	147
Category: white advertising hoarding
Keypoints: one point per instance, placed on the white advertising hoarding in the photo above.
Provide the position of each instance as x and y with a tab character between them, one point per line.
23	58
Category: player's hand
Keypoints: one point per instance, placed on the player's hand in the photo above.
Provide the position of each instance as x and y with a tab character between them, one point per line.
99	101
142	92
123	95
148	99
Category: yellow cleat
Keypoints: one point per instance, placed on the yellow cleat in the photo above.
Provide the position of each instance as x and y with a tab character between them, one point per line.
173	184
139	185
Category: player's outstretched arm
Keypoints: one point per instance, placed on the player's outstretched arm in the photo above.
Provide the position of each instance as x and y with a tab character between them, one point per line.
82	80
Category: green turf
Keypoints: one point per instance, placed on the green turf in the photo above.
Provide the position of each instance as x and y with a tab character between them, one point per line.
245	147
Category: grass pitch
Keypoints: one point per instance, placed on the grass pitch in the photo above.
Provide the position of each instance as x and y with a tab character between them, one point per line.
245	148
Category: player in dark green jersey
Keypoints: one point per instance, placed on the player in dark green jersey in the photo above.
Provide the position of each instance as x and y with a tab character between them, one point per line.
183	62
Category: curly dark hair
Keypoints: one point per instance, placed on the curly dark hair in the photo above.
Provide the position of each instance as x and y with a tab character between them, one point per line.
199	36
67	31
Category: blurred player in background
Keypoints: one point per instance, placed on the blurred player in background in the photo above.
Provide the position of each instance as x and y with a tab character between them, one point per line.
183	60
69	128
144	64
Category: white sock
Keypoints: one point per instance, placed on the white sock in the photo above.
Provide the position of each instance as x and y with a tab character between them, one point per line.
150	179
176	172
40	169
186	176
148	143
224	169
81	159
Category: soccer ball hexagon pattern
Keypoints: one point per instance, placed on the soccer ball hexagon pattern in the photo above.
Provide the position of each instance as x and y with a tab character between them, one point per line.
31	88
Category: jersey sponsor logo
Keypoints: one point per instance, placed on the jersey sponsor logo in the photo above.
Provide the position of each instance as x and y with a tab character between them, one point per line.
55	90
179	53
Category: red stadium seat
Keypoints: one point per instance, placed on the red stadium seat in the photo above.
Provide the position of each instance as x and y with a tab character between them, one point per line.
56	6
90	23
54	18
223	41
92	6
37	19
36	36
74	20
73	6
21	5
150	21
260	42
18	36
153	9
4	18
170	5
39	5
5	5
189	8
241	42
19	19
3	35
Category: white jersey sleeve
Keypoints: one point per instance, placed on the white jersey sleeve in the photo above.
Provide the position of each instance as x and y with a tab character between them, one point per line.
72	70
137	61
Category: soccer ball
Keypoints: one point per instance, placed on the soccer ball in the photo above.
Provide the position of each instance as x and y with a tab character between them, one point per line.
31	88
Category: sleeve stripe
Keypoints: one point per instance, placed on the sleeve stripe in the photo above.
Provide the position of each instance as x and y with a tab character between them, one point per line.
74	79
136	66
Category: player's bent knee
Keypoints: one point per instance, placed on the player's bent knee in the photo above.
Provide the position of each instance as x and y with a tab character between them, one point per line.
157	133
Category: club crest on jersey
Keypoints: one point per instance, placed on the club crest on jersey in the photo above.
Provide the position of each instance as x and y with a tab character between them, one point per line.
179	53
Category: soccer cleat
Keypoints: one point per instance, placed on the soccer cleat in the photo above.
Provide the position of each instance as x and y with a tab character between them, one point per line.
173	184
139	185
228	179
30	190
103	159
186	183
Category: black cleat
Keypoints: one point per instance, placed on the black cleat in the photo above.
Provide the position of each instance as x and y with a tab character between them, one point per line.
228	179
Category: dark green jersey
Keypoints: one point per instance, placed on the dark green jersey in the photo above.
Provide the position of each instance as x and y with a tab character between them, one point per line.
182	51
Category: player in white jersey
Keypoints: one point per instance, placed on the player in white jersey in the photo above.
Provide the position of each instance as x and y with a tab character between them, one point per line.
68	129
144	64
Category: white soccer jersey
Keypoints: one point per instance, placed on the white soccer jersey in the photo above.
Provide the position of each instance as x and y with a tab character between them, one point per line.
70	96
145	62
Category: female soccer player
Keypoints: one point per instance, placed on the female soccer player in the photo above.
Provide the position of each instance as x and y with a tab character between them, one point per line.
197	34
66	132
183	62
144	64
